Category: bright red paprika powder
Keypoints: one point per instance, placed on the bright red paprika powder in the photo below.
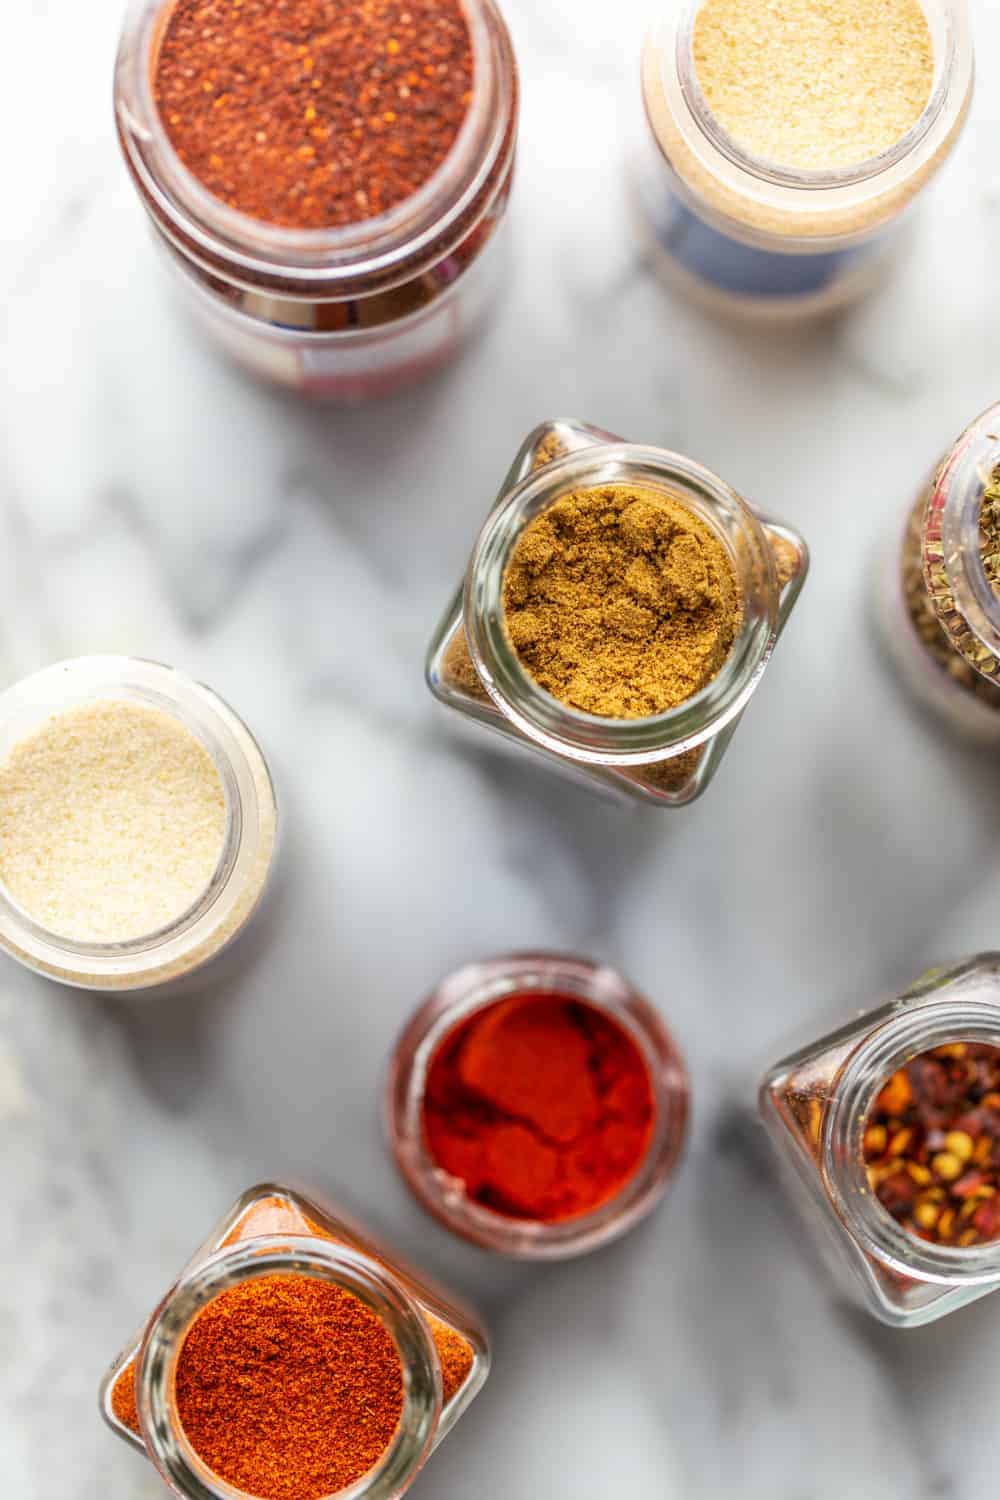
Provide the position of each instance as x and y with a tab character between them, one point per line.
541	1105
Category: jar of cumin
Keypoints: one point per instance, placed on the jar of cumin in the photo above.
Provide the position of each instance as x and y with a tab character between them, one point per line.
328	191
939	602
618	611
294	1355
890	1131
784	145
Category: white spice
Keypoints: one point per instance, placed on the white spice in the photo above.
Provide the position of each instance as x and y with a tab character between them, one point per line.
112	822
815	84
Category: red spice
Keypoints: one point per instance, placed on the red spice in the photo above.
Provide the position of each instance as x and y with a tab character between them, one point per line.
932	1145
313	114
541	1105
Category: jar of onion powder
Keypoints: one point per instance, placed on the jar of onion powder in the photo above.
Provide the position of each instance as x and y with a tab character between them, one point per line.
618	612
138	824
327	182
294	1359
785	143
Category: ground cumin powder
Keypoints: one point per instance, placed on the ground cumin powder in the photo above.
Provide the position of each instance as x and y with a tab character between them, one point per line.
620	601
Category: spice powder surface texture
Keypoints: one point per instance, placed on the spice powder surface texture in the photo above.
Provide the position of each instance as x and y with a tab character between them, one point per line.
289	1388
313	114
620	601
112	822
932	1145
814	84
541	1105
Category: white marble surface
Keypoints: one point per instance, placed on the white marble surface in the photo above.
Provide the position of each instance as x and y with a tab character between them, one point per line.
152	502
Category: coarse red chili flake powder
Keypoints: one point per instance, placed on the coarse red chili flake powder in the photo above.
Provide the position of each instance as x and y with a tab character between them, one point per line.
313	114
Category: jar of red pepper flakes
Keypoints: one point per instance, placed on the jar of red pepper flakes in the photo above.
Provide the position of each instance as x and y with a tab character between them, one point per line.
537	1105
890	1129
328	191
294	1359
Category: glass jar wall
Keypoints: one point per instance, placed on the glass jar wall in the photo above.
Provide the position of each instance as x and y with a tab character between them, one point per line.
666	760
221	909
351	312
819	1104
752	238
276	1231
939	599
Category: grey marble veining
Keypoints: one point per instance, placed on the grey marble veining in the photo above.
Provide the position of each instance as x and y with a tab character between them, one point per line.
152	502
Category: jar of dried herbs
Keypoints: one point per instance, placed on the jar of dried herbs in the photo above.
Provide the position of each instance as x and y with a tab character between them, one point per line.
618	611
785	143
890	1128
940	604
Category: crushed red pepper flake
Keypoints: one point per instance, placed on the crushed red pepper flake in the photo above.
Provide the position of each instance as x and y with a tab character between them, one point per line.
313	114
932	1145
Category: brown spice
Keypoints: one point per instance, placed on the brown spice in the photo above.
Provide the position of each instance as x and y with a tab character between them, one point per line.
932	634
932	1145
620	601
313	114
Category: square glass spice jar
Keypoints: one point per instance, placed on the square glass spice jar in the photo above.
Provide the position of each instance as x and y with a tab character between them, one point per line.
939	595
667	759
342	310
138	825
276	1237
890	1132
764	239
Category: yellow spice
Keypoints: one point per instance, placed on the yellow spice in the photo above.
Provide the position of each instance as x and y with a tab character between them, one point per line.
814	84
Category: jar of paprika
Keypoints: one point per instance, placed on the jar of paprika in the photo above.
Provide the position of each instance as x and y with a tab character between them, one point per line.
327	188
537	1105
618	612
890	1131
294	1360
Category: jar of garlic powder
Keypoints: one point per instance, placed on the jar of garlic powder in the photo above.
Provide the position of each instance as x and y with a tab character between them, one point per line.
137	824
671	630
939	597
784	144
889	1130
333	308
328	1356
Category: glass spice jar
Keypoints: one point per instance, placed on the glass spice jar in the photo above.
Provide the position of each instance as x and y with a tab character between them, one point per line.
277	1231
939	598
222	909
666	760
753	239
348	313
818	1105
595	989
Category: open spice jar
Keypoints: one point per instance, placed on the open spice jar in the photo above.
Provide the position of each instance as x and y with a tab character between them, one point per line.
891	1130
327	182
784	144
618	611
537	1105
294	1359
939	601
138	824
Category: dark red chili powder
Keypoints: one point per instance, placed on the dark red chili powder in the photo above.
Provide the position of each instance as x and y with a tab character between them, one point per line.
542	1105
313	114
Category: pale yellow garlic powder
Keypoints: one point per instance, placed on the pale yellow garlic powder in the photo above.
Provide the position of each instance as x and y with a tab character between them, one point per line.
112	822
814	84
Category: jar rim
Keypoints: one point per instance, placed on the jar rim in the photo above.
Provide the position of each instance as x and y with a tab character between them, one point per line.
302	262
590	737
168	1446
476	986
922	1019
239	761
